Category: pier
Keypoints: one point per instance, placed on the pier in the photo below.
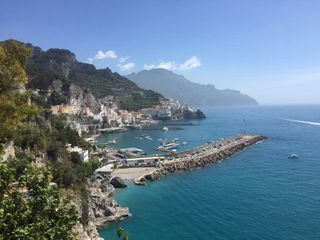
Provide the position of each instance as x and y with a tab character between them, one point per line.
201	156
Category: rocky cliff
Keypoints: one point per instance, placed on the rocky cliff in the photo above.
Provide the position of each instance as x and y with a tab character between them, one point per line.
45	67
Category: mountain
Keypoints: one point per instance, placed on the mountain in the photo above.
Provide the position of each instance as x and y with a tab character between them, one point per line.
45	67
178	87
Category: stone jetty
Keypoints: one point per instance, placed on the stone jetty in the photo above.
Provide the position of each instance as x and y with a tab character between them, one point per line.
202	156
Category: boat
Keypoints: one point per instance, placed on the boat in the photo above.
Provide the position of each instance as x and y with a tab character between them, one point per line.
139	182
148	137
184	143
112	141
166	146
165	129
293	156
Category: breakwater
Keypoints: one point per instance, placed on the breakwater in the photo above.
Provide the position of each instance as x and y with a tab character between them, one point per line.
202	156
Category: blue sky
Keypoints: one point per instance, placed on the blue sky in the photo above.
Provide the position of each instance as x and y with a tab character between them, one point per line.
268	49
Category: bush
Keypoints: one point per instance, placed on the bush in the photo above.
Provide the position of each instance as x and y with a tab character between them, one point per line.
31	208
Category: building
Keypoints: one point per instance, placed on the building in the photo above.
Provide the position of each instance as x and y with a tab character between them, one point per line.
105	170
83	154
142	161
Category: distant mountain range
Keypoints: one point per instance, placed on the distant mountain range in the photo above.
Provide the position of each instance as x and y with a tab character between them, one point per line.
178	87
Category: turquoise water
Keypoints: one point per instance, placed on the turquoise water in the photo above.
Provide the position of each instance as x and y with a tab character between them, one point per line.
257	194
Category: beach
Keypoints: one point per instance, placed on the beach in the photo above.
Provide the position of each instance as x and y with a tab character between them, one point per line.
130	174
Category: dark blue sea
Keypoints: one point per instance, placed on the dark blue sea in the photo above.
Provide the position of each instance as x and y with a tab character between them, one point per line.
257	194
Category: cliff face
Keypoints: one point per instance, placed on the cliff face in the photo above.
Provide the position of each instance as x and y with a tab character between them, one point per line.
45	67
103	208
83	98
178	87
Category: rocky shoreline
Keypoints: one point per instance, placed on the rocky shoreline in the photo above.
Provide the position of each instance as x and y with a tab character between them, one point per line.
104	209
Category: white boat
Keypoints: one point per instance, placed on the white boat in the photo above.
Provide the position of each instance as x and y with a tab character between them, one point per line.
293	156
148	137
166	146
184	143
165	129
112	141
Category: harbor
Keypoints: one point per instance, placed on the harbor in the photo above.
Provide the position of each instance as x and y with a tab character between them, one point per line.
153	167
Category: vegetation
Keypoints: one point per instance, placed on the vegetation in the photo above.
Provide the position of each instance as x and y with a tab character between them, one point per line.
122	234
45	67
30	208
139	101
14	104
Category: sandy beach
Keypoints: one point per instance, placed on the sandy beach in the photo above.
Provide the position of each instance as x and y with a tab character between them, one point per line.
131	173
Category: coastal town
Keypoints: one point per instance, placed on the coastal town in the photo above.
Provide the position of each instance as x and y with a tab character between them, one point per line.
106	116
91	118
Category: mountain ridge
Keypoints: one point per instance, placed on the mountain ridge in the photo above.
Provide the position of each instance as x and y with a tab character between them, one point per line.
176	86
45	67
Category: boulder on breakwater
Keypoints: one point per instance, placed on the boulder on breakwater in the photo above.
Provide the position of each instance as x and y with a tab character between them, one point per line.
118	182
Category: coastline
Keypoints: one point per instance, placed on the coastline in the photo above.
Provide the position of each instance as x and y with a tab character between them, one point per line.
208	154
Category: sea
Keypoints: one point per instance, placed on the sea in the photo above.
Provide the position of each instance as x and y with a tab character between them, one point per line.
258	193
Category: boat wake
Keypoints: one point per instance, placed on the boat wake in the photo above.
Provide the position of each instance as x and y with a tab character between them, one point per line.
300	121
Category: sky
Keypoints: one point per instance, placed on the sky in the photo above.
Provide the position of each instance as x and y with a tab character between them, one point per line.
269	49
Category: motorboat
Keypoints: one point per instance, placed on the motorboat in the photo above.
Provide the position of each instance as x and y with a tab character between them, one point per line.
166	146
165	129
112	141
148	137
293	156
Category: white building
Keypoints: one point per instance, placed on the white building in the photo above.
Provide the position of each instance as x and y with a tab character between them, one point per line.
84	154
143	161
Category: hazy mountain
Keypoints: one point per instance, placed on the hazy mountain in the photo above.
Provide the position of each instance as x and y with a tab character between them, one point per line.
178	87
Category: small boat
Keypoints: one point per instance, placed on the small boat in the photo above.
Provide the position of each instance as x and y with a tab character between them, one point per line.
167	146
184	143
293	156
139	182
148	137
165	129
112	141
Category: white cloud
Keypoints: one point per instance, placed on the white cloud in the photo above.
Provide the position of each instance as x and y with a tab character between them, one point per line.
191	63
100	55
126	67
165	65
107	54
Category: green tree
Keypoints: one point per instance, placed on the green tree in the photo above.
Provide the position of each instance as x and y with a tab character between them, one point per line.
14	100
31	208
122	234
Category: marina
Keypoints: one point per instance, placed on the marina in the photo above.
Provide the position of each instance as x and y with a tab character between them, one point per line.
174	161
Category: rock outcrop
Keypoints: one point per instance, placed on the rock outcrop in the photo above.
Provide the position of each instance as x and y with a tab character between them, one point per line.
83	98
104	208
118	182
